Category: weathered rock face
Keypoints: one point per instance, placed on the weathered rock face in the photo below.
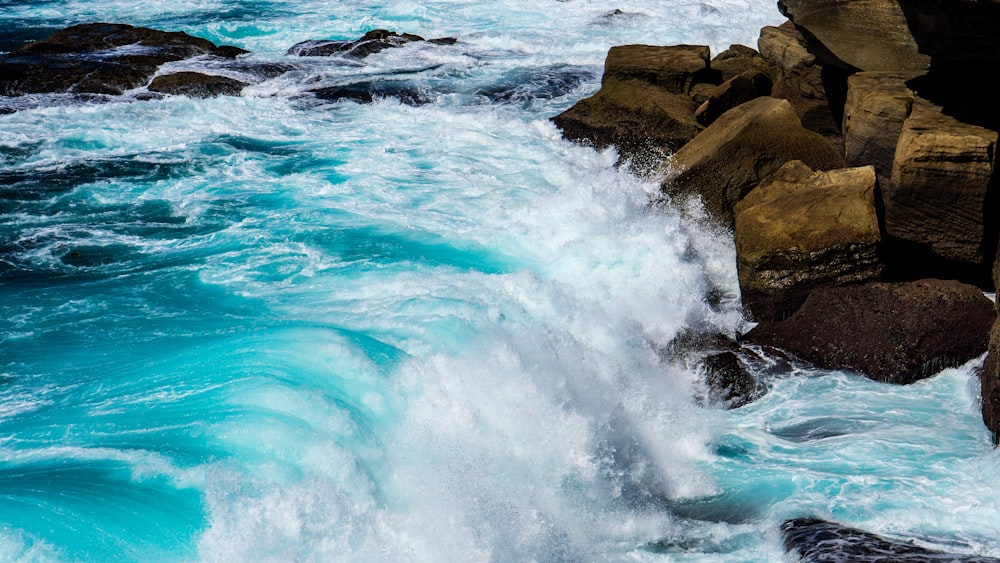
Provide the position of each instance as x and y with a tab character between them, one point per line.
742	147
818	541
938	194
893	332
857	34
989	378
370	43
644	104
196	85
799	230
878	104
738	59
737	90
98	58
730	384
802	81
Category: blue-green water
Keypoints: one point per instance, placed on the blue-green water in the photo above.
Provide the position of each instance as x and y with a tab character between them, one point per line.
275	328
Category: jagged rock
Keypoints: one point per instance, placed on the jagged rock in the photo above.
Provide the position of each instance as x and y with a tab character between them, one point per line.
892	332
633	115
815	92
674	68
738	90
196	85
98	58
818	541
799	230
730	384
941	177
742	147
877	105
368	91
857	34
370	43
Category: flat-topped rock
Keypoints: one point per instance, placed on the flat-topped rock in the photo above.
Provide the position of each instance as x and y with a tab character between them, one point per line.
799	230
674	68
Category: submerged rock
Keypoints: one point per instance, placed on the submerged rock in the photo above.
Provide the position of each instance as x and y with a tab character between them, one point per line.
892	332
741	148
196	85
819	541
98	58
370	43
801	229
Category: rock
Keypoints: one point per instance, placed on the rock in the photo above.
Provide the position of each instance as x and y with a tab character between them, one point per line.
891	332
196	85
730	384
816	93
90	59
738	90
675	69
742	147
941	177
857	34
799	230
955	33
370	43
368	91
877	105
738	59
635	116
989	378
818	541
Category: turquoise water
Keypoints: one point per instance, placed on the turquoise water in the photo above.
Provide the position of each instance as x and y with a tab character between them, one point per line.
276	328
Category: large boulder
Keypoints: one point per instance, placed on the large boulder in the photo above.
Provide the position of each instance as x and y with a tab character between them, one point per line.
939	192
892	332
800	230
878	103
196	85
739	89
738	59
857	34
372	42
90	59
814	91
643	105
742	147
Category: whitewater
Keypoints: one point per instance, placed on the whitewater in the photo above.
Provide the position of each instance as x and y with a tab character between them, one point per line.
272	327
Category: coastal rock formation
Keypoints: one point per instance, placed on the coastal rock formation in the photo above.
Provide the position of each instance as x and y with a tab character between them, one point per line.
737	90
857	34
892	332
730	383
941	179
196	85
814	91
98	58
644	103
877	105
738	59
743	146
801	229
819	541
370	43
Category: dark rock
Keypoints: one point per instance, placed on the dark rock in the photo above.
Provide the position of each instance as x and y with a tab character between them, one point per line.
730	383
196	85
372	42
799	230
989	377
98	58
819	541
940	187
738	90
877	105
741	148
955	33
892	332
368	91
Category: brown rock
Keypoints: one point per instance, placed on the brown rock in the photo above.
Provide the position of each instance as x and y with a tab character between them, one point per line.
941	174
738	59
799	230
743	146
633	115
893	332
989	378
877	105
738	90
857	34
674	68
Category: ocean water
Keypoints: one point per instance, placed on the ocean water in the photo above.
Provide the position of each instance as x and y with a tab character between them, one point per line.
280	328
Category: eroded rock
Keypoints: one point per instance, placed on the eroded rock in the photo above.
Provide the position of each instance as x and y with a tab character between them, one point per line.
800	230
196	85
